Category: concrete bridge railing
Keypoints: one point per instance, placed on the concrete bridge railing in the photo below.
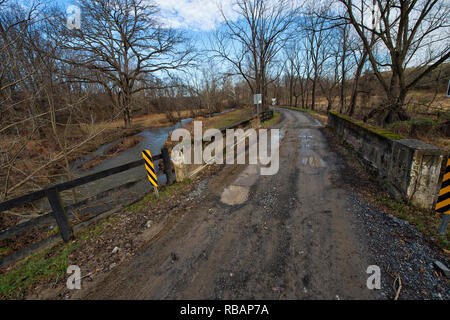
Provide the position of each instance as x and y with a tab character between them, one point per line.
411	169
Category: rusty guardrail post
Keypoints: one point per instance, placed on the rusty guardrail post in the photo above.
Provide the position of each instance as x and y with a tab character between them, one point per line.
167	167
60	215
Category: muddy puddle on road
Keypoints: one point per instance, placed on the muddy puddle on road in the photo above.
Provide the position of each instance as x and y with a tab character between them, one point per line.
308	157
234	195
238	192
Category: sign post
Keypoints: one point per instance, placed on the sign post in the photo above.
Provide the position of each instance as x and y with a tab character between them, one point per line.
448	89
257	99
443	202
151	174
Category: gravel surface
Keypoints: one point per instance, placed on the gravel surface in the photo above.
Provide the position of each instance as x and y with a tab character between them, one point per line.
400	249
394	245
304	233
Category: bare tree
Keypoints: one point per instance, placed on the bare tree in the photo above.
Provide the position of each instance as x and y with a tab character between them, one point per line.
37	109
124	47
207	83
344	55
298	71
291	54
316	31
251	43
409	33
330	76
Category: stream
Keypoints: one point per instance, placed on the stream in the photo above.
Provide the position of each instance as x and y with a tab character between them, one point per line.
152	139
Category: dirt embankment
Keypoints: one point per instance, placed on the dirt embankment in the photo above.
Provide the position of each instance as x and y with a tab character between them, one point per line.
43	275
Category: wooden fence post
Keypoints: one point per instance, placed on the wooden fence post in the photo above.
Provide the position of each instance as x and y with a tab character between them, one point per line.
167	167
60	216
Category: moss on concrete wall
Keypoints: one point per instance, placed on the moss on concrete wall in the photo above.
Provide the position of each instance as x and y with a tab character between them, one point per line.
378	131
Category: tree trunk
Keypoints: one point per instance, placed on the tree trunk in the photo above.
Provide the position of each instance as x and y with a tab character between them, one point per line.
344	56
329	106
126	109
354	97
391	112
395	111
313	93
127	118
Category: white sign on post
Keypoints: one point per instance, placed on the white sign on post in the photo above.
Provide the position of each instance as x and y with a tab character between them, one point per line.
274	101
257	98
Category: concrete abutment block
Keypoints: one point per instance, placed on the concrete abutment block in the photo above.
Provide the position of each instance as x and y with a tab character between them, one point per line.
410	168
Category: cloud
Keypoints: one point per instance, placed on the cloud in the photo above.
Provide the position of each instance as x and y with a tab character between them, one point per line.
196	15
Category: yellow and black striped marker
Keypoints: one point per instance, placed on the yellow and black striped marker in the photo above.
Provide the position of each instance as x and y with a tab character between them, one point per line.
443	202
150	168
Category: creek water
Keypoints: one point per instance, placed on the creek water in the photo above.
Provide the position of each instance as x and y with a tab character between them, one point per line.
152	139
135	179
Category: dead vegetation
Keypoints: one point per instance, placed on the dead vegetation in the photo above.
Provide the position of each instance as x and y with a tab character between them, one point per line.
43	159
113	151
217	122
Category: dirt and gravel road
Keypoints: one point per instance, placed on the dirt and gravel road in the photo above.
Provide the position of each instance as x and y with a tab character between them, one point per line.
299	234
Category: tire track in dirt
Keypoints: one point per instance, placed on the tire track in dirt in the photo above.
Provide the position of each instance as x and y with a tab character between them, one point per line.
292	239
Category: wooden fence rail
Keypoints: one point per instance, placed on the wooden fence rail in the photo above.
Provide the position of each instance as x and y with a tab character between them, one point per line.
52	193
266	115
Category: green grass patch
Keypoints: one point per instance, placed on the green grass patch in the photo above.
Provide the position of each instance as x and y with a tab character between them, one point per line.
151	198
48	265
421	122
378	131
229	118
42	266
415	127
273	120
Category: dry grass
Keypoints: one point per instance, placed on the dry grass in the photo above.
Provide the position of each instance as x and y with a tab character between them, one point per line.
34	152
149	120
222	120
428	112
217	122
428	130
